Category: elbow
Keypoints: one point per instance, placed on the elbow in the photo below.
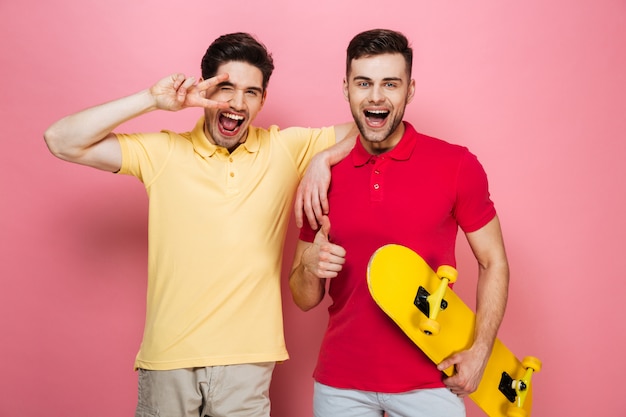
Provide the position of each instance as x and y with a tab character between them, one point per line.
304	305
54	143
57	145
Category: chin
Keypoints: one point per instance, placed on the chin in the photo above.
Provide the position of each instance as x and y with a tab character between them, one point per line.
227	143
376	137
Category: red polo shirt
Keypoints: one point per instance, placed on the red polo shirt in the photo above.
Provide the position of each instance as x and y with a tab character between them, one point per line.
417	195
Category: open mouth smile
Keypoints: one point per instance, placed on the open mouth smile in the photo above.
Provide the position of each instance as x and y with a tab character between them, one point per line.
376	118
230	122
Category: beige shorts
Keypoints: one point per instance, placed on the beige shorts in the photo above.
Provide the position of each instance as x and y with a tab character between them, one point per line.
215	391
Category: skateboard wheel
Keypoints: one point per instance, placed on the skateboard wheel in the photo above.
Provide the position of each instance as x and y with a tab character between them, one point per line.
447	271
514	411
532	363
429	327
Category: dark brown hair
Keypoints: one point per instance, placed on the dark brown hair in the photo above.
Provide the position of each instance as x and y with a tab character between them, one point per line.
378	42
241	47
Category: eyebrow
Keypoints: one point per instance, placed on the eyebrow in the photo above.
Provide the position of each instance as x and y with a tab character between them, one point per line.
229	84
364	78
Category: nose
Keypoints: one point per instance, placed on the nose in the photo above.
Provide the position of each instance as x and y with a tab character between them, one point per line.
376	95
237	101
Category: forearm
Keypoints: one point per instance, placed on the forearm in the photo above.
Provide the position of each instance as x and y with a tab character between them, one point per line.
71	137
346	135
307	290
333	155
491	300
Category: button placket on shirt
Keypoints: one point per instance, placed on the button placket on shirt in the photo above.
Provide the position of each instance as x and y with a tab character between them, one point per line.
231	171
377	178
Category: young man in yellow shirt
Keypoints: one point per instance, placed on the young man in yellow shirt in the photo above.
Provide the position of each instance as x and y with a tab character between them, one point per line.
220	199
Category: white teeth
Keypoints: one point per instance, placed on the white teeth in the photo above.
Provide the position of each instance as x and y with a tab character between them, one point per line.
377	111
232	116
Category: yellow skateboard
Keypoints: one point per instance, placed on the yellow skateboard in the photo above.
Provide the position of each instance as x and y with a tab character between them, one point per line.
406	288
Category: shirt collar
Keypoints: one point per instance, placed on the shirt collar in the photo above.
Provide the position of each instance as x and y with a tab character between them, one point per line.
206	148
401	152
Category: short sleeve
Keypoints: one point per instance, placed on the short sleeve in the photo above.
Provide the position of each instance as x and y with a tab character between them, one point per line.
474	207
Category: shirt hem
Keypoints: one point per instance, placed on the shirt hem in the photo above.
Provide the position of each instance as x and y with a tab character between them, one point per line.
213	361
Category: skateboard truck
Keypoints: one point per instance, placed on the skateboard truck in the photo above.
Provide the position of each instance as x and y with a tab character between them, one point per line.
516	390
423	300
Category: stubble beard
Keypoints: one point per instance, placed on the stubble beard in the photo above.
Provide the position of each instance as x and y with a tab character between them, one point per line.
376	136
230	143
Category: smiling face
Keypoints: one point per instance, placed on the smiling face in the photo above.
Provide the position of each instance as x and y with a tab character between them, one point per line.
244	93
378	89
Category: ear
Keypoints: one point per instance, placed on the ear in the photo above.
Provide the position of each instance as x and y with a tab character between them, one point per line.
263	98
346	95
411	93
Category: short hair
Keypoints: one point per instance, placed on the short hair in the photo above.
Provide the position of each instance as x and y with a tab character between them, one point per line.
241	47
377	42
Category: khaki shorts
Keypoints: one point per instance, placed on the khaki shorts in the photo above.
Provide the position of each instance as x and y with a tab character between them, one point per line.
215	391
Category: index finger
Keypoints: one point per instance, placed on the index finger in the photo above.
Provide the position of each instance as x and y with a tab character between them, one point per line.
204	85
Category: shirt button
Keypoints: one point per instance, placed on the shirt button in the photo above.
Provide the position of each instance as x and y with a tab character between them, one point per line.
376	186
232	174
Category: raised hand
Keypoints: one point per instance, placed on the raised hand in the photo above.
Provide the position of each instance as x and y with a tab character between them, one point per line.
324	259
311	196
176	92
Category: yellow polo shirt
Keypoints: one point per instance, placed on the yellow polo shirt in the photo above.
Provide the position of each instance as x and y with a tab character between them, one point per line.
217	227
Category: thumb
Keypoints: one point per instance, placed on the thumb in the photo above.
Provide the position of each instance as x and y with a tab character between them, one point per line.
324	228
447	365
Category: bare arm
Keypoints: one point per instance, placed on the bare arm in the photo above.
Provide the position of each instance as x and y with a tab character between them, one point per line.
307	290
313	263
493	282
491	298
86	137
312	194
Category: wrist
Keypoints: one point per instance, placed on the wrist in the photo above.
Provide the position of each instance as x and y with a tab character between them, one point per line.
148	99
324	157
482	346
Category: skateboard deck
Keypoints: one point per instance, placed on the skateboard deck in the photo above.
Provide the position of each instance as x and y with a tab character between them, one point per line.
406	288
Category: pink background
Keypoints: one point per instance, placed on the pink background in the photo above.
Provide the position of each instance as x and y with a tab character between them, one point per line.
537	89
